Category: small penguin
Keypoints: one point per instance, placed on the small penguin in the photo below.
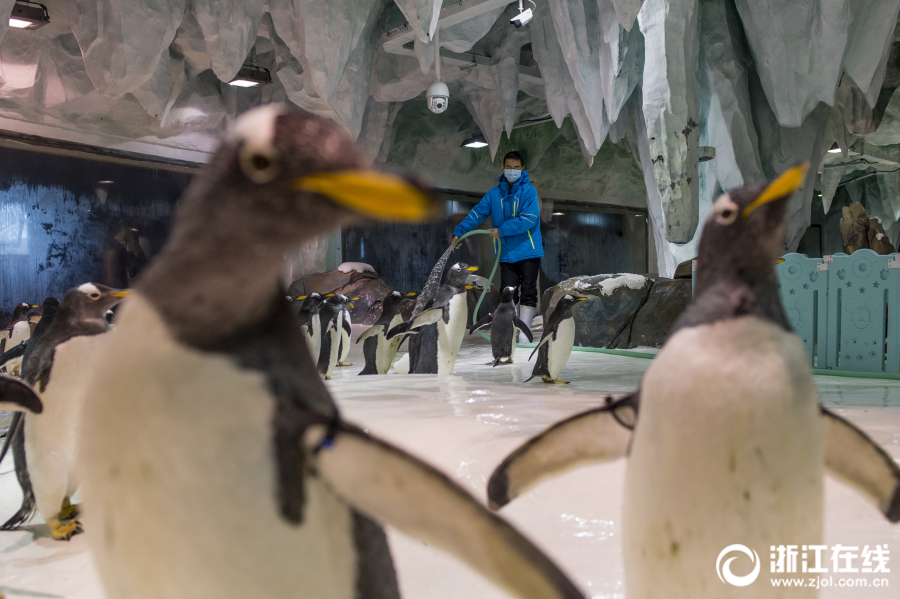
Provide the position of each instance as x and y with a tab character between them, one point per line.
556	343
504	326
18	329
378	350
215	462
725	439
11	362
333	325
308	313
346	334
57	370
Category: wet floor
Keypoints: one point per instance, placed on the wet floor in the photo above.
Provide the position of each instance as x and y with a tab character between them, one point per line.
465	424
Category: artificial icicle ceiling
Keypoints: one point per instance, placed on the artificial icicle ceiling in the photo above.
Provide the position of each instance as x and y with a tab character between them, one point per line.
755	85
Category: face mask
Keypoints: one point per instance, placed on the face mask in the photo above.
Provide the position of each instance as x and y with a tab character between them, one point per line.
512	175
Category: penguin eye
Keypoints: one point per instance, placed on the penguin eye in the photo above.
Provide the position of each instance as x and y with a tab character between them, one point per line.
727	215
94	295
260	165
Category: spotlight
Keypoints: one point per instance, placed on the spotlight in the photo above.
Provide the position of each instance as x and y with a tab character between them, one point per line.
251	76
524	17
475	142
28	15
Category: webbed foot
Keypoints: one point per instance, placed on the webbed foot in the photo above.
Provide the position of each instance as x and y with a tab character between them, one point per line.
64	532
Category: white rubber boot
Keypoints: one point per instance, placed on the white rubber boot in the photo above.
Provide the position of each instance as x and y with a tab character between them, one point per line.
526	315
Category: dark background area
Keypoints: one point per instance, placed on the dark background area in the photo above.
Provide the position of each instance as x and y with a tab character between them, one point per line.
66	220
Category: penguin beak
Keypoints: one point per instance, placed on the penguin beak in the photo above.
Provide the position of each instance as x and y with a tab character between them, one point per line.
34	306
378	195
123	293
779	261
351	305
782	187
472	268
470	286
410	294
299	297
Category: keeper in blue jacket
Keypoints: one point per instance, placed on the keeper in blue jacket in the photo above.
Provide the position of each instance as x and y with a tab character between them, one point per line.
515	210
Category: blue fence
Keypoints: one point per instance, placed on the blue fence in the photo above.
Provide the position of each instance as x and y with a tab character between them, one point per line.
840	307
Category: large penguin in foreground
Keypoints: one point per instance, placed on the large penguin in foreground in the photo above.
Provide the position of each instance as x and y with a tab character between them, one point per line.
216	464
726	440
378	350
556	342
57	369
504	328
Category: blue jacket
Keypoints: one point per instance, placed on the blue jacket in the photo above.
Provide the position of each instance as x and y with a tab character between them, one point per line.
516	213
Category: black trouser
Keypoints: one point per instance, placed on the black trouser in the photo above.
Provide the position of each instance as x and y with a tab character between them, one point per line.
523	276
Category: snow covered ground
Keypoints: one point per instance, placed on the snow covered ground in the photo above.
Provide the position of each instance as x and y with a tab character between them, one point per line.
465	424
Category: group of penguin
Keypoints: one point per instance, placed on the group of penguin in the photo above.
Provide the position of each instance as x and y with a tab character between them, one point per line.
438	330
213	461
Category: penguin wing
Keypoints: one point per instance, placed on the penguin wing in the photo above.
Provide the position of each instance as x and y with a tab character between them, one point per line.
481	323
854	458
347	328
598	435
16	352
478	281
18	396
371	332
545	339
524	328
400	329
427	317
396	489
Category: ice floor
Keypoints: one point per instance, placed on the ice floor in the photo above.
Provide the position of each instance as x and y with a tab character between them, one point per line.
465	424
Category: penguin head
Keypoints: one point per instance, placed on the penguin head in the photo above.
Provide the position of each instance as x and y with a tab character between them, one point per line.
744	232
90	302
566	303
281	177
458	273
392	300
21	310
507	294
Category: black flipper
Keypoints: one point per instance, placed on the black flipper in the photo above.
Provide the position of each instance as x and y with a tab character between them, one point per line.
17	396
401	328
524	328
854	458
481	323
16	437
347	327
598	435
16	352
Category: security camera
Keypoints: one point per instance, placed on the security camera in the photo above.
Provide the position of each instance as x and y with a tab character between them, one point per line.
438	97
523	18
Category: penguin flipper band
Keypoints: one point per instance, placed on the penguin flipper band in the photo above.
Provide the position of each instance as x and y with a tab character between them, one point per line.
854	458
598	435
395	488
17	396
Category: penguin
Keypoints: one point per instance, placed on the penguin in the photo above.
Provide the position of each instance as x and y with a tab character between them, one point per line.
308	313
57	370
18	329
378	350
725	438
48	313
556	343
215	462
504	323
12	361
346	334
333	325
438	344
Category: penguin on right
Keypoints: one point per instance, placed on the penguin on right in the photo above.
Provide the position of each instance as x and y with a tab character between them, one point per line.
556	343
504	326
378	350
726	440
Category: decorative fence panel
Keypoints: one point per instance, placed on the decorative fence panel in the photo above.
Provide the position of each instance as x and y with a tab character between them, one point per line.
803	287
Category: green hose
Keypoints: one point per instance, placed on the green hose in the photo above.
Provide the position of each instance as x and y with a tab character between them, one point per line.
497	246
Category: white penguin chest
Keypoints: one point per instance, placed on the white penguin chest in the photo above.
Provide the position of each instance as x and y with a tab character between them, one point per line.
560	348
450	334
727	449
179	472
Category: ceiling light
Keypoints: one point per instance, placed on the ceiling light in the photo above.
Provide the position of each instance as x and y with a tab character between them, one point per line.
105	182
558	213
835	149
251	76
475	142
28	15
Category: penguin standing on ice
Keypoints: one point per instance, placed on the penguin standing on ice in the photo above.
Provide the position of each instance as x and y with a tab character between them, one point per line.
216	463
504	326
332	324
46	447
378	350
346	334
725	439
556	343
308	313
13	360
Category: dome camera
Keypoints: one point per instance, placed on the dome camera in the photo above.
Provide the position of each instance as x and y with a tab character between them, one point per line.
438	97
